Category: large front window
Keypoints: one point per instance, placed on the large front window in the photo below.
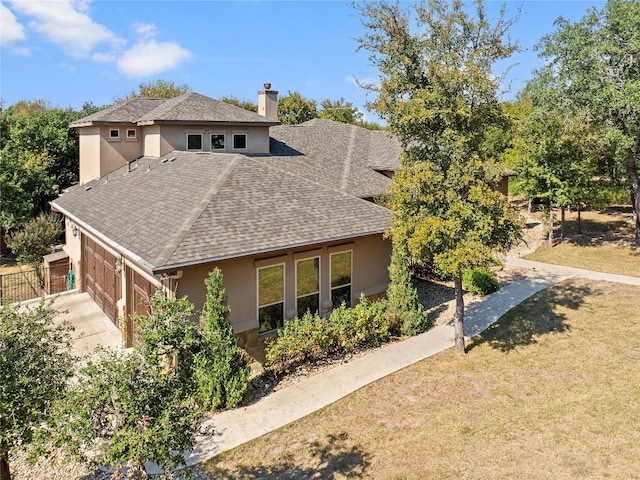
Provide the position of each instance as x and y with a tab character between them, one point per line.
271	298
341	278
308	285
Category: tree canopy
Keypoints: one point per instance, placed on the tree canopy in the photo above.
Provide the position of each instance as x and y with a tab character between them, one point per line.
437	93
592	71
36	364
156	89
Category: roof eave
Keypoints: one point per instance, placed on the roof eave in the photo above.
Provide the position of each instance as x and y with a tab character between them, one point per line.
251	253
207	122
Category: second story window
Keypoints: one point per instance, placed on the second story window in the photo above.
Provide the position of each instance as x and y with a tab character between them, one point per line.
217	141
239	141
114	134
194	141
131	133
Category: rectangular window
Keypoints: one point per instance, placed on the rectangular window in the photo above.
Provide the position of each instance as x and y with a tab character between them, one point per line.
239	141
194	141
271	297
308	285
131	133
114	133
340	264
217	141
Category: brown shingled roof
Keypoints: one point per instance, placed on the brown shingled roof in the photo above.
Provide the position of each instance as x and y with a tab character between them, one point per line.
339	156
188	108
204	207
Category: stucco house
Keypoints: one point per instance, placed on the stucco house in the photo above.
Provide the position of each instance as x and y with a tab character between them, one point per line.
170	189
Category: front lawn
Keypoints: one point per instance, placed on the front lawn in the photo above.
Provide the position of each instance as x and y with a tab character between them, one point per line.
552	390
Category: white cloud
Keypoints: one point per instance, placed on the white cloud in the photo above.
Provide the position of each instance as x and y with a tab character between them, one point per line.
21	51
151	58
67	24
145	31
10	29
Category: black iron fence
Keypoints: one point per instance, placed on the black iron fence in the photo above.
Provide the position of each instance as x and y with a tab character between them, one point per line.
31	283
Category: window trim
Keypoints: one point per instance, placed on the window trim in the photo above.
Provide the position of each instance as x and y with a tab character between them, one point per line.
233	141
116	137
194	135
131	137
350	284
319	282
284	295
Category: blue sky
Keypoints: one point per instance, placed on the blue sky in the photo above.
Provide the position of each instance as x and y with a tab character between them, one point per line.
72	51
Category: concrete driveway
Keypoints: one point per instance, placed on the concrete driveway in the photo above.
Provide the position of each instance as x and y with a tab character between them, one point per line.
92	326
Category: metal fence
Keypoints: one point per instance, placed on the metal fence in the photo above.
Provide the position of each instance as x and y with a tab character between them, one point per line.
32	283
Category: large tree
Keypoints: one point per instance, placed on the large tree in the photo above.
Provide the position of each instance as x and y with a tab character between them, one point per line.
340	111
38	158
592	69
156	89
437	93
293	109
36	364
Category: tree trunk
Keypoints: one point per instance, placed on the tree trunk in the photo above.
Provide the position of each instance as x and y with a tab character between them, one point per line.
550	224
579	219
562	212
5	474
634	178
458	321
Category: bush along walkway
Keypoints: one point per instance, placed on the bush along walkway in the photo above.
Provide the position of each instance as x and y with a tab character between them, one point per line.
235	427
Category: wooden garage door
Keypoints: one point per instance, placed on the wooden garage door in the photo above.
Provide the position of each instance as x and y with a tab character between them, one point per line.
101	280
138	296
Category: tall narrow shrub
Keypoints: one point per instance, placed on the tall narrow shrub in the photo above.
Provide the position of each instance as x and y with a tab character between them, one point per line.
222	368
404	309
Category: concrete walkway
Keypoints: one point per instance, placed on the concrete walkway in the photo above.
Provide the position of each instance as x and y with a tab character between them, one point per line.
234	427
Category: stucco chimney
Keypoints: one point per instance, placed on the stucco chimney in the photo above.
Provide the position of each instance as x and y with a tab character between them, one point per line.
268	102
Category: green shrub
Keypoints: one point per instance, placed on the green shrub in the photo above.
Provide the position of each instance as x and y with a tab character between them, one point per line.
308	339
221	368
302	340
480	281
406	313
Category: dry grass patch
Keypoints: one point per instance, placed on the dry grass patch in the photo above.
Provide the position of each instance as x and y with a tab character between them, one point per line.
552	390
604	244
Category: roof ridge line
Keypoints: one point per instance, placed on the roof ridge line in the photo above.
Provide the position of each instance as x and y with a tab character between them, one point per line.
191	219
349	158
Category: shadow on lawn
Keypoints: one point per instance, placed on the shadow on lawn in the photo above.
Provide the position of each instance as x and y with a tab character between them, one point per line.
332	457
539	315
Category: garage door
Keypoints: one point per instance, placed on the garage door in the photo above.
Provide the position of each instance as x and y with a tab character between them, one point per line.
138	296
101	280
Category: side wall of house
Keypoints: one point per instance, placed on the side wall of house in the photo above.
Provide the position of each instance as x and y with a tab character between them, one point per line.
370	276
175	138
89	145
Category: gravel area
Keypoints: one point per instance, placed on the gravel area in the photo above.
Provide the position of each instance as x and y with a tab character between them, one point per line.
437	297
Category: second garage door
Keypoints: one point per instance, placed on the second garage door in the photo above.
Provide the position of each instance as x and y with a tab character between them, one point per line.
101	280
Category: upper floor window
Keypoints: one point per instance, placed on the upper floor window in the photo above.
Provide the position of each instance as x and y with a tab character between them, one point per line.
340	265
271	298
131	133
194	141
114	134
217	141
239	141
